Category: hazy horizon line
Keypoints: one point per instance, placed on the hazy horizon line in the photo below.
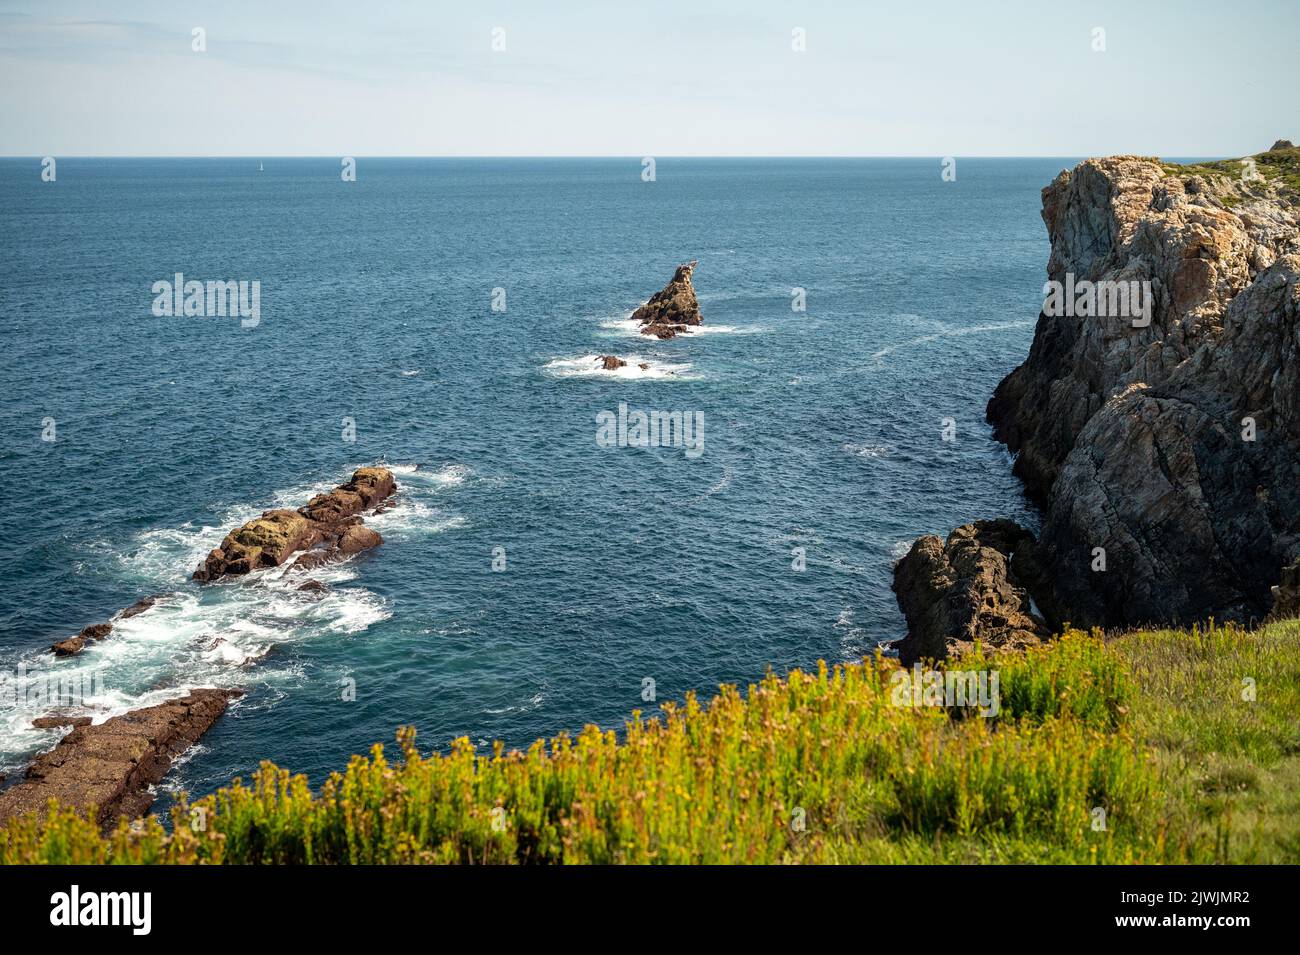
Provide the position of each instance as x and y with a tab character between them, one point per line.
658	156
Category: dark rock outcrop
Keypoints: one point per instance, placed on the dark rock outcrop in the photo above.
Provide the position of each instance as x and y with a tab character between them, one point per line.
610	362
329	526
672	309
98	631
112	766
74	645
140	606
966	589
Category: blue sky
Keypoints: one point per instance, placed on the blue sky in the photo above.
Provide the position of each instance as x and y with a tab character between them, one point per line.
615	78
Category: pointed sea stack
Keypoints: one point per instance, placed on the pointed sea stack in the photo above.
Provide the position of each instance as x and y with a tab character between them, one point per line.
671	310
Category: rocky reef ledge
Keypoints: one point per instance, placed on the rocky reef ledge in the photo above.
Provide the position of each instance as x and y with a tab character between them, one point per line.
1164	448
327	528
673	309
111	766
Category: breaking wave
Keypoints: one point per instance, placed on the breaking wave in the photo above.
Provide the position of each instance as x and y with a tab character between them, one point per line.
230	633
589	366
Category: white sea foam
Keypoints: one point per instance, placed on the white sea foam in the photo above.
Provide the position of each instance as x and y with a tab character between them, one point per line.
589	366
451	475
222	634
949	332
867	450
899	549
618	327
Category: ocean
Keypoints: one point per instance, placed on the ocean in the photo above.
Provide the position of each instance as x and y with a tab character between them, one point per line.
443	317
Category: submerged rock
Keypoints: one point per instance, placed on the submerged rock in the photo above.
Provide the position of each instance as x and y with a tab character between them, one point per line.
114	765
98	631
330	523
966	589
74	645
672	309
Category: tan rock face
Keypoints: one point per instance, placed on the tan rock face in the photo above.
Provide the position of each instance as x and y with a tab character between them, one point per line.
673	309
1135	439
323	523
111	766
266	541
358	538
965	589
1128	218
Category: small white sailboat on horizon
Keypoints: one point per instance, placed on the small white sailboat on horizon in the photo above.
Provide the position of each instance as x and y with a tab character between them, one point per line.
259	166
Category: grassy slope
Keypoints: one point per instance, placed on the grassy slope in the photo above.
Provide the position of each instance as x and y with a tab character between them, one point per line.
1279	167
1152	727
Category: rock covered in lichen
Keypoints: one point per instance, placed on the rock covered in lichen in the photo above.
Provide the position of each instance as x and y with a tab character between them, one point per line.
326	527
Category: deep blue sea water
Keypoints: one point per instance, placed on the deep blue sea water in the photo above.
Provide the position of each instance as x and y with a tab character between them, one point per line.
822	429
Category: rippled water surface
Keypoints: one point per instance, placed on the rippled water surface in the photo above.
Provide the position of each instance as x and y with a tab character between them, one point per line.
822	429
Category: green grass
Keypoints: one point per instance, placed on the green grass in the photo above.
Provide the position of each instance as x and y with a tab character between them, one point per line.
1239	759
1278	167
1152	728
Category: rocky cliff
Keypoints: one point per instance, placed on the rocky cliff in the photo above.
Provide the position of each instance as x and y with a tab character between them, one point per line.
1163	438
